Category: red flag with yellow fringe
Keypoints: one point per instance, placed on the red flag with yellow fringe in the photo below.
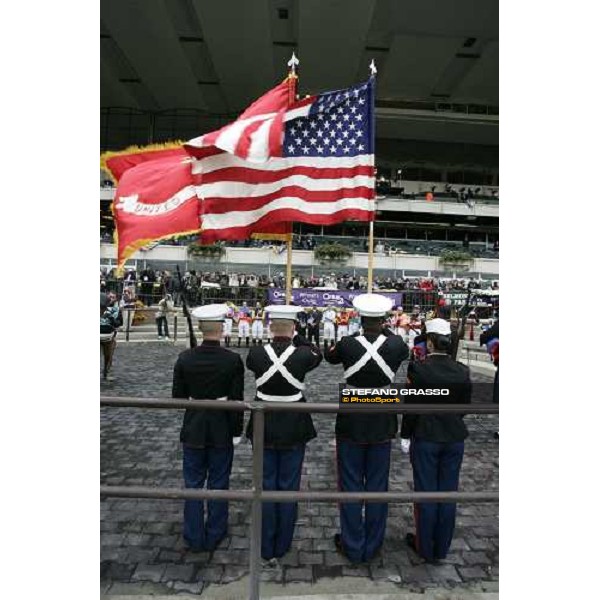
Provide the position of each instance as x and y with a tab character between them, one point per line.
155	197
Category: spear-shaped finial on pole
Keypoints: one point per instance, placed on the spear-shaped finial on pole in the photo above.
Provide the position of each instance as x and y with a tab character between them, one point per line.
373	68
292	63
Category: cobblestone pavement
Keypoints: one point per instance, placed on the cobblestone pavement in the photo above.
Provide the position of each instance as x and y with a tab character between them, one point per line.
141	541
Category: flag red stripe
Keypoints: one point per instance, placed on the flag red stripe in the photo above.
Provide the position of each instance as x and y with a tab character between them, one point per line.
252	176
200	153
286	214
218	205
243	145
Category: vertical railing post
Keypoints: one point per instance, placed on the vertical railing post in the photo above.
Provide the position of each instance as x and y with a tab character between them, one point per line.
128	326
258	437
175	328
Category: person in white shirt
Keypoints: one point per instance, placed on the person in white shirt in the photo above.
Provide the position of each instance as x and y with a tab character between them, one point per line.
329	316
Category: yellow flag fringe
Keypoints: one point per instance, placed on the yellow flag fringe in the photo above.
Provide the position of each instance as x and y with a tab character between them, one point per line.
105	156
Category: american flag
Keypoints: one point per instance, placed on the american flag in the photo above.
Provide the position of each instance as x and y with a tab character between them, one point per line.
311	162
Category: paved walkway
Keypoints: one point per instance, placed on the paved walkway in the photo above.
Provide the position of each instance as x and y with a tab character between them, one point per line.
141	542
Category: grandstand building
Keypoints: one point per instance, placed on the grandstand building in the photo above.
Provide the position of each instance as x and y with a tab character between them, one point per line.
436	114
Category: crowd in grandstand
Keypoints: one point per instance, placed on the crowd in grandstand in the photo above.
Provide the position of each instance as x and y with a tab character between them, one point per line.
148	286
383	246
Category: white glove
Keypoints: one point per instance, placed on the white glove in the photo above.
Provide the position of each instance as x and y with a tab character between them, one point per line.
404	445
236	440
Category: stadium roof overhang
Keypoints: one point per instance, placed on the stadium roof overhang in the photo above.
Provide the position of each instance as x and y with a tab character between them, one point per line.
437	61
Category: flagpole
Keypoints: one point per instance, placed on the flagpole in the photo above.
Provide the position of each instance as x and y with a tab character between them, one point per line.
370	267
288	272
292	81
372	221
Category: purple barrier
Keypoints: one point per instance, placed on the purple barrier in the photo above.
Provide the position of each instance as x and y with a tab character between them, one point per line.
316	297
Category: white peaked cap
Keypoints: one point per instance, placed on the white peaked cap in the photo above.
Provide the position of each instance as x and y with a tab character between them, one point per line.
440	326
283	311
210	312
372	305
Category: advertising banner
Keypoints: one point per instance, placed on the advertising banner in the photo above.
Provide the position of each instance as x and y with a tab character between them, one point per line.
317	297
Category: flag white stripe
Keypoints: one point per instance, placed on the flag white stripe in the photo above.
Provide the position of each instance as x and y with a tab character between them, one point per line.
230	135
238	189
229	138
297	112
259	146
225	161
245	218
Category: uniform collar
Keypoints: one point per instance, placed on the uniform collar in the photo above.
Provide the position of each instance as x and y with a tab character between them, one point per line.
211	343
281	338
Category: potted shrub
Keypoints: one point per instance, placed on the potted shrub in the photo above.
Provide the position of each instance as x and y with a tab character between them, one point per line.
456	260
332	253
207	252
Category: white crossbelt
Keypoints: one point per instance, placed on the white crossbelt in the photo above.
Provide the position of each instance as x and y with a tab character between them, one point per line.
371	352
271	398
278	367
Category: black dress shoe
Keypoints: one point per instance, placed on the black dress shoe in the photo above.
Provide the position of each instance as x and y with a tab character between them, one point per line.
213	547
411	542
337	540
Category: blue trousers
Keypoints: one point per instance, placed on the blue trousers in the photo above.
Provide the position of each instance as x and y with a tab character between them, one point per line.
436	468
281	471
363	467
213	466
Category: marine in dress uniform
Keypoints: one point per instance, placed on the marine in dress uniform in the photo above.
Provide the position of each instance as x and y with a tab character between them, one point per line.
208	372
436	442
280	369
364	440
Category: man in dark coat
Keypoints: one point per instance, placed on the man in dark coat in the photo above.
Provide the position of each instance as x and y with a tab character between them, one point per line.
280	369
364	440
314	323
491	339
436	441
208	372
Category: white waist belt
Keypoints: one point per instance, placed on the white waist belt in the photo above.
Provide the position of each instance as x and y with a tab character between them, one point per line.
269	398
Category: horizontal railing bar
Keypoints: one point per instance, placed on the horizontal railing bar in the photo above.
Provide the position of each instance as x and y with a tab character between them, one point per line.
309	407
302	496
164	493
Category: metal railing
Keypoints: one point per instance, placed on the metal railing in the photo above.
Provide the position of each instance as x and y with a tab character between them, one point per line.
257	495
